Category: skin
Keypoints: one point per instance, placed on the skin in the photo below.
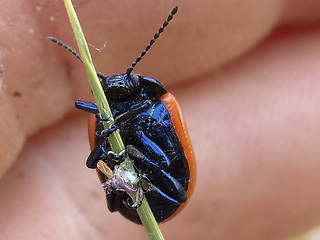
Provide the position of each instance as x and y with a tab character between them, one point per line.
246	74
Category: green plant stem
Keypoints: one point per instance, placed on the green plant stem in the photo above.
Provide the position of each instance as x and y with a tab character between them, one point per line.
115	140
98	94
149	222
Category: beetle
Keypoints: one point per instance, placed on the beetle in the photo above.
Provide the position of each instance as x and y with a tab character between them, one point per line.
154	132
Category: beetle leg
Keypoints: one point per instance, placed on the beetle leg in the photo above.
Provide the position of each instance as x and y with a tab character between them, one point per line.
86	106
94	157
112	157
89	107
101	118
109	157
173	184
175	187
132	112
106	133
138	201
117	158
101	76
148	187
102	134
114	197
145	186
115	200
100	152
158	156
135	154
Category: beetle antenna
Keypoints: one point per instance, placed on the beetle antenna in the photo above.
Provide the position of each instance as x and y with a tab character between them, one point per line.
59	42
169	18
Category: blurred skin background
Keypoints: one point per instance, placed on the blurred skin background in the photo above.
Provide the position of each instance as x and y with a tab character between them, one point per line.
247	75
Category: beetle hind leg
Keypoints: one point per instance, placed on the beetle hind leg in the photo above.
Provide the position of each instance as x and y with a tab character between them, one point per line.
145	186
148	187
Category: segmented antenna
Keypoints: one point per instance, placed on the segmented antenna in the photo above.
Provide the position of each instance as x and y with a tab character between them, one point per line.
170	17
59	42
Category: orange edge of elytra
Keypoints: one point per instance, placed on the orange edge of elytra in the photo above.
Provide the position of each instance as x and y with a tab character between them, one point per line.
181	130
92	122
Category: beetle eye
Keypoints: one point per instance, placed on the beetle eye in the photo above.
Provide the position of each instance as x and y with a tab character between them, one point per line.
135	79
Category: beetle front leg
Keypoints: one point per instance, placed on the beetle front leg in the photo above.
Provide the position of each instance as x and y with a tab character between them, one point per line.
132	112
86	106
90	108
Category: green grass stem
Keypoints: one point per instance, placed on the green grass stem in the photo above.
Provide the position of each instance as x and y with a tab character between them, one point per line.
115	140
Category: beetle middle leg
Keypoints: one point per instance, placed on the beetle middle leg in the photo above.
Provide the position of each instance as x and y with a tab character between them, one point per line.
137	129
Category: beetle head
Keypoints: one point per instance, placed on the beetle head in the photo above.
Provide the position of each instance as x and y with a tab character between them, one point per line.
123	86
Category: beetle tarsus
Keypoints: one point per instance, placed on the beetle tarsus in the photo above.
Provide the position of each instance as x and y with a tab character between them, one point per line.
107	132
